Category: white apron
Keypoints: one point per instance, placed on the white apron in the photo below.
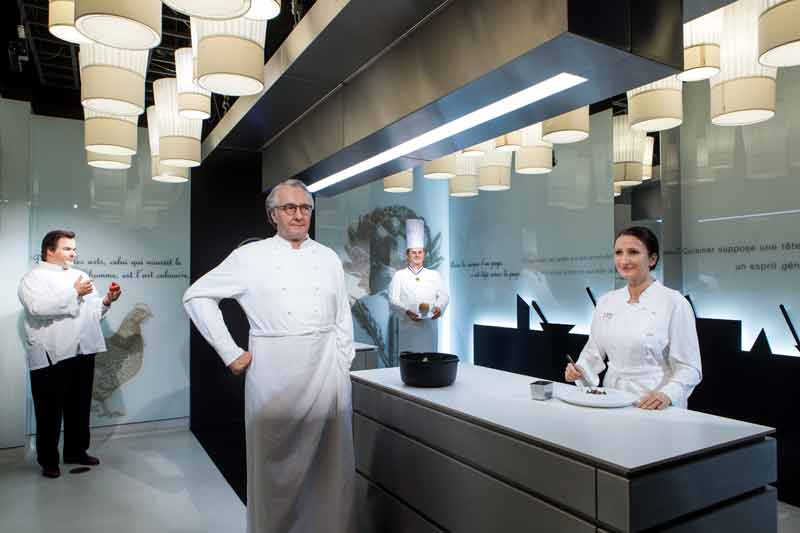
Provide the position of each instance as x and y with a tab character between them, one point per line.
406	292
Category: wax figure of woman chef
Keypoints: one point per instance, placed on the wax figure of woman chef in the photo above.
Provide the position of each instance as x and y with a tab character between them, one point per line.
417	295
646	331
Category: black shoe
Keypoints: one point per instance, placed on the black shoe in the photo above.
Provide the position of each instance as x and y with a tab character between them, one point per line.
86	460
51	473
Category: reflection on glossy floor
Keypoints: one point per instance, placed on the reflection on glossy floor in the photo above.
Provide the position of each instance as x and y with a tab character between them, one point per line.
153	482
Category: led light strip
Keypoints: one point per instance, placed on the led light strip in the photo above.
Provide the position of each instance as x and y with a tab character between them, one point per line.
752	215
534	93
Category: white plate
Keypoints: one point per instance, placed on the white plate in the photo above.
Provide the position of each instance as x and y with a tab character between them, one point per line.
611	398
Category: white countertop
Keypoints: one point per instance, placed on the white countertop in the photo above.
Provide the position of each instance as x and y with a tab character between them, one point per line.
624	440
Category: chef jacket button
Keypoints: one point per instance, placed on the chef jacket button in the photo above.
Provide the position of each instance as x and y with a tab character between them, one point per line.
283	288
290	312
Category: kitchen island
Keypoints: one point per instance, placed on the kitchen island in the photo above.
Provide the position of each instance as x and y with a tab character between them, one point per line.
482	456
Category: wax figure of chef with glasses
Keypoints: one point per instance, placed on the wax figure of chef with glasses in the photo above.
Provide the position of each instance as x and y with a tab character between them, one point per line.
646	331
417	295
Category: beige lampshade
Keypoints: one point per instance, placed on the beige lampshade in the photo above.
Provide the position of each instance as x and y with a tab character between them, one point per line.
628	152
510	142
110	134
112	80
230	55
617	190
478	150
159	172
61	21
179	137
400	182
125	24
193	101
465	183
264	9
656	106
536	155
210	9
779	33
647	158
701	47
494	171
108	162
443	168
567	128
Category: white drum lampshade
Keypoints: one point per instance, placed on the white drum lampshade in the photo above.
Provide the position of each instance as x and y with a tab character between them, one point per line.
465	183
193	101
656	106
210	9
179	137
110	134
400	182
779	33
478	150
264	9
567	128
126	24
230	55
494	171
443	168
112	80
510	142
61	22
744	91
159	172
108	162
701	47
617	190
647	158
628	152
536	155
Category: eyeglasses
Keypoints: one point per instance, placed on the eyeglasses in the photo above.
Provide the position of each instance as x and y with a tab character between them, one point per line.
291	209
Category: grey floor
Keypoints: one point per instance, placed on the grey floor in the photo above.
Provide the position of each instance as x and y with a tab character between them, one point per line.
161	482
153	482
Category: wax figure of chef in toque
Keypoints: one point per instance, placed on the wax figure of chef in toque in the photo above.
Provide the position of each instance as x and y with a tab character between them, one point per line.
298	415
417	295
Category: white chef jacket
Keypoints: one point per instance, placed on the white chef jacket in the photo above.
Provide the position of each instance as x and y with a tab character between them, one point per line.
59	323
298	425
650	345
406	291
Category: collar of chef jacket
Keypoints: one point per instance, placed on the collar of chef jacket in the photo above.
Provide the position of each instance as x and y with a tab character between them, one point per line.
283	242
649	294
52	266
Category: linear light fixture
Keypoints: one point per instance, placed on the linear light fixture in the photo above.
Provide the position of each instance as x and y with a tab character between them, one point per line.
534	93
751	215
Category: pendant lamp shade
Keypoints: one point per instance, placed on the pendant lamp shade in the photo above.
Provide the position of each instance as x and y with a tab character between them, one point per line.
264	9
193	101
61	22
701	47
230	55
443	168
465	183
108	162
536	155
112	80
494	171
567	128
744	91
478	150
656	106
400	182
779	33
617	190
510	142
109	134
127	24
179	138
647	158
628	152
210	9
159	172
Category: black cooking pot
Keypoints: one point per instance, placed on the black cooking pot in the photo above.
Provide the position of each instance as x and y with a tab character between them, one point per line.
428	369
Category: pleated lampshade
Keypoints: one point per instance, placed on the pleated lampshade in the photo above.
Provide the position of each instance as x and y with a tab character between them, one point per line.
779	33
443	168
478	150
567	128
744	90
112	80
230	55
108	162
400	182
536	155
210	9
628	152
647	158
264	9
465	183
126	24
494	171
159	172
510	142
110	134
193	101
656	106
179	137
701	47
61	21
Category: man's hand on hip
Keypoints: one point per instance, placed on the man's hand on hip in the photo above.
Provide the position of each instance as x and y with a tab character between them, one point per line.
241	363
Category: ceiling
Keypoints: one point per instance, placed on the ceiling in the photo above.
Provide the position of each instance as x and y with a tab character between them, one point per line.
43	69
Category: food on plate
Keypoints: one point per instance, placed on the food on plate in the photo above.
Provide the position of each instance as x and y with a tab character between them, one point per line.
596	391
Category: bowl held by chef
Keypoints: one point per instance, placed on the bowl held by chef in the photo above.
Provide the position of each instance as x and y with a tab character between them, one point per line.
645	331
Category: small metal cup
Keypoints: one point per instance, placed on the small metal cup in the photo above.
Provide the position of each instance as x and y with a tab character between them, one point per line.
542	390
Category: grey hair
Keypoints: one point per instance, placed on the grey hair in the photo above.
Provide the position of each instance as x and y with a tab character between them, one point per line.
272	199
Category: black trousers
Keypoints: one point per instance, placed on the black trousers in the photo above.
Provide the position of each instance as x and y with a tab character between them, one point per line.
63	389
